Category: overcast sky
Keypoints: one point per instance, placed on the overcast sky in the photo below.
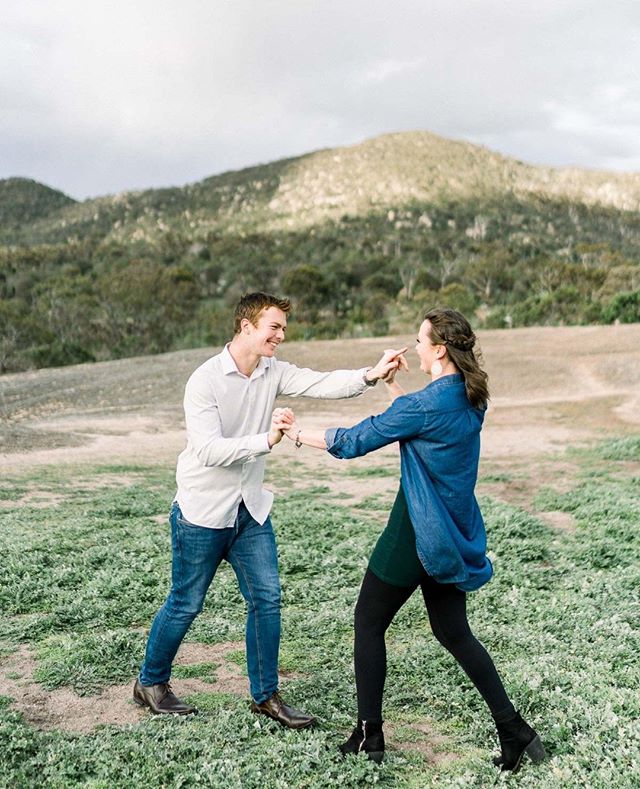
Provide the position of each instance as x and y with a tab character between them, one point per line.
99	96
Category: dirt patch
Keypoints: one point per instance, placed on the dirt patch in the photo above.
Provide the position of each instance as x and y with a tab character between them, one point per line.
65	710
352	481
432	745
518	483
131	445
37	499
564	521
130	409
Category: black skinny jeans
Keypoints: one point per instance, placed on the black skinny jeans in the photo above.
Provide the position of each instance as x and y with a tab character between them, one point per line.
377	605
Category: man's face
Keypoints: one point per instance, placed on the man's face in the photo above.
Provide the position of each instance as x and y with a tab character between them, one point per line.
268	333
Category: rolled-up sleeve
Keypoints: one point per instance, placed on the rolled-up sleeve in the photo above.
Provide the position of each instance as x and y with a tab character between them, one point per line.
404	419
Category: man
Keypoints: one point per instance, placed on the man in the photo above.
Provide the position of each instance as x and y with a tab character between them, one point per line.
221	510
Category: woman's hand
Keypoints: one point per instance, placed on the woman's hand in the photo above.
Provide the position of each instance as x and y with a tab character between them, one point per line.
390	362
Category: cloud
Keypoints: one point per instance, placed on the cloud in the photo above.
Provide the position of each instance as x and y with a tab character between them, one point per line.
110	95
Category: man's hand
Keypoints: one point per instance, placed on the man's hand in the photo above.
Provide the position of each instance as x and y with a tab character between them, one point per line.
390	362
282	421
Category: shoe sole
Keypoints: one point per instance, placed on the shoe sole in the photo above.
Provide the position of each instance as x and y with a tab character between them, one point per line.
374	756
308	725
535	751
161	712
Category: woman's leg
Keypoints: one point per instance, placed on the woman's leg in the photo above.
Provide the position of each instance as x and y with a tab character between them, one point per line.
446	606
447	609
377	604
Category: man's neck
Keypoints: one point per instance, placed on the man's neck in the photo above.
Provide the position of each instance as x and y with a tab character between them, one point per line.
246	361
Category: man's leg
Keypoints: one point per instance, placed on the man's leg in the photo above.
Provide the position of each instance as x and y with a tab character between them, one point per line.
197	553
254	558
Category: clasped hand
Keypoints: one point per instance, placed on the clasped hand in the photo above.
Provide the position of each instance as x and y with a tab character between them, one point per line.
282	421
390	362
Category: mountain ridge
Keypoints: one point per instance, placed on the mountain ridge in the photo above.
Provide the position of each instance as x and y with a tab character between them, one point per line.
26	198
388	171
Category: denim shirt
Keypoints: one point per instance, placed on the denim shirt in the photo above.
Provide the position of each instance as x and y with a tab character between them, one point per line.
439	434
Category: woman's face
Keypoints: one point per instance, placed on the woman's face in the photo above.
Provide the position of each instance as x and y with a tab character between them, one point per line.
427	352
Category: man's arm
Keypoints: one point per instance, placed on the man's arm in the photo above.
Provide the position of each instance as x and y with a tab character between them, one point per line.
204	431
303	382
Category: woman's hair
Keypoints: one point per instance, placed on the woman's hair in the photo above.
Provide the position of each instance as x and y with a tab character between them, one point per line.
451	329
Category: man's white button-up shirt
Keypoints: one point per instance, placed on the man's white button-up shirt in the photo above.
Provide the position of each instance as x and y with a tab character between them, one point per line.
228	416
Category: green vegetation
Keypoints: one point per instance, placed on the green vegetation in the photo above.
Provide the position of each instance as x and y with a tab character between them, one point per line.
81	580
23	201
362	240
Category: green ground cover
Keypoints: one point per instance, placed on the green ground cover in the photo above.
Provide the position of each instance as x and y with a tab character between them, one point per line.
81	577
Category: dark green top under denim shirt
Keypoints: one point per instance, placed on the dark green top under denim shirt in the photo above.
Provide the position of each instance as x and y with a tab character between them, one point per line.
395	559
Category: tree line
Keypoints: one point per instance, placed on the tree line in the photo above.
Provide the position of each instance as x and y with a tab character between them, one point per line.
506	263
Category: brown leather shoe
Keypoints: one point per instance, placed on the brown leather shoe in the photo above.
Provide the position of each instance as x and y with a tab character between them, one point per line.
275	708
160	699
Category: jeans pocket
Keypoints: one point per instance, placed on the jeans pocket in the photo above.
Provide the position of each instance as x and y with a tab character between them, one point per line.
173	511
177	518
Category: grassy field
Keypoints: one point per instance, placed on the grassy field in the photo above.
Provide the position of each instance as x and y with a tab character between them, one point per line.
85	564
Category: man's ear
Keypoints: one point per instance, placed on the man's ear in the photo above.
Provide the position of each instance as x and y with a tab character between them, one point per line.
245	325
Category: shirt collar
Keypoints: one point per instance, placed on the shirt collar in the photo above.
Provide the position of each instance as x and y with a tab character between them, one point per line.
229	365
452	378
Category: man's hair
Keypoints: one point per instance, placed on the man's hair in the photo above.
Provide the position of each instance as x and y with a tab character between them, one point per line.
252	304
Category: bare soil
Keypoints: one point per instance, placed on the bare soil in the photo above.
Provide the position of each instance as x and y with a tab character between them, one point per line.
551	388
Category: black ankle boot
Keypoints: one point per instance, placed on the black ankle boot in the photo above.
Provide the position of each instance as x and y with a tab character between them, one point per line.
366	737
516	739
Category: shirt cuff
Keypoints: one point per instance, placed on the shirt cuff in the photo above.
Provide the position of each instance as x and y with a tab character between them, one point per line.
259	445
363	381
330	436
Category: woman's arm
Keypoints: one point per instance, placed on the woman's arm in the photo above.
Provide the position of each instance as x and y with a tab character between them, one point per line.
394	389
403	419
284	420
310	438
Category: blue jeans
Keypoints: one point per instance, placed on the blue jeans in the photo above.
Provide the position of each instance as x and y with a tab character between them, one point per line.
197	552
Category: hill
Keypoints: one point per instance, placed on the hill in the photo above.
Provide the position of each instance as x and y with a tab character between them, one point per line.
393	170
23	201
361	238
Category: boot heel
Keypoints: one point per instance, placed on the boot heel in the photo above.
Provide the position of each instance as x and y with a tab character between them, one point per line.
535	750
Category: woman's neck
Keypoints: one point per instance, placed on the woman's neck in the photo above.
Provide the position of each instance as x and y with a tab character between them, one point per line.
448	368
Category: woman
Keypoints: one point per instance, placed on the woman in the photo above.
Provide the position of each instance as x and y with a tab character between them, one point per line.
435	537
